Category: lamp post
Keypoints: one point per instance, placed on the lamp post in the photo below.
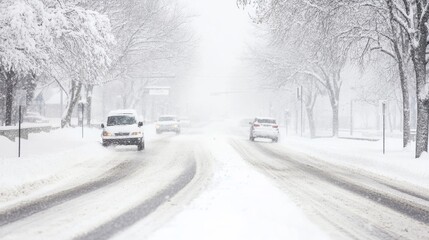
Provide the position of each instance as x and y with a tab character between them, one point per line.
22	101
299	96
383	104
82	113
351	117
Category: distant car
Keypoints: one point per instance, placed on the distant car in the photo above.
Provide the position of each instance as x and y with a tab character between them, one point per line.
34	117
123	129
264	128
167	123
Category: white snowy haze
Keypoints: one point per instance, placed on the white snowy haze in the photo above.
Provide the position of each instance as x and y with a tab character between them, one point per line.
220	80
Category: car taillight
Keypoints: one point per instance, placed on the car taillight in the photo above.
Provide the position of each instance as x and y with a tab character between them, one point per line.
275	126
256	125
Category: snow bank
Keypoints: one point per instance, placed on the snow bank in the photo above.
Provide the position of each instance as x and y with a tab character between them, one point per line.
398	163
45	157
239	203
49	160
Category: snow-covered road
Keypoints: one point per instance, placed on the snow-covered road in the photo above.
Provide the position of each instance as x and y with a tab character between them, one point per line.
209	183
348	203
133	186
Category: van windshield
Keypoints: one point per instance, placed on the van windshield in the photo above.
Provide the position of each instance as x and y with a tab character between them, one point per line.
120	120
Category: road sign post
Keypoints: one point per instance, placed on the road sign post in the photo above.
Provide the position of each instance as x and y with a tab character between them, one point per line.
22	101
302	111
384	126
19	131
351	117
83	117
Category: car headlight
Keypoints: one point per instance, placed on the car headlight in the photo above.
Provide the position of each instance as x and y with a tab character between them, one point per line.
175	125
106	134
136	133
157	126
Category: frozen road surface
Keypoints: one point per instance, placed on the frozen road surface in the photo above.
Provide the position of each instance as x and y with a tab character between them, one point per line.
347	203
212	183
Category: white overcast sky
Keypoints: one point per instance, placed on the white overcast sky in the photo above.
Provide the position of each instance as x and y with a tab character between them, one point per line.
222	31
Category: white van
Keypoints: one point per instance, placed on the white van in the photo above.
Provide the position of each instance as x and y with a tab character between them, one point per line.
122	128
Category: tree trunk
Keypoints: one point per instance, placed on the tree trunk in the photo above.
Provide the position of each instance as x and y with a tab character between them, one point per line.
311	124
405	97
335	116
10	87
413	112
422	128
335	121
89	90
422	105
74	96
405	119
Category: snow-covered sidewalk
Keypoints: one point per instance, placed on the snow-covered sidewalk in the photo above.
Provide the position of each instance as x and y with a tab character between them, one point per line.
398	163
239	203
47	158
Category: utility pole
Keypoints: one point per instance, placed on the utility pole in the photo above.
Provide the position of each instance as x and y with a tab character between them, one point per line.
351	117
61	104
22	101
301	98
384	126
19	131
83	116
298	97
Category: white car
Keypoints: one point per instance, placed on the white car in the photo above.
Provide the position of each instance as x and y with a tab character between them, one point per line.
167	123
264	128
123	129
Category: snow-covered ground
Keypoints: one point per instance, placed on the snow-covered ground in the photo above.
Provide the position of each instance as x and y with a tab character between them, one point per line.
238	203
397	163
60	156
46	158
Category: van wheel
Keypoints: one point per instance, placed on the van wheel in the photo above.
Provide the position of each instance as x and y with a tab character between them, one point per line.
140	146
251	138
275	140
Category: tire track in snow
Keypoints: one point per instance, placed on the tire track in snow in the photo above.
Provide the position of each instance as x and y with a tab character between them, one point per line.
411	209
142	210
27	209
113	175
307	179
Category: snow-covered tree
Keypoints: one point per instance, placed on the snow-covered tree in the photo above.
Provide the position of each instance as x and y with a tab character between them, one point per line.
82	51
57	39
26	39
282	65
412	18
152	40
323	28
405	26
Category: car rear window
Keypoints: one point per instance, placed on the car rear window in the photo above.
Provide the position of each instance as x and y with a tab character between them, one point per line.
120	120
167	119
270	121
